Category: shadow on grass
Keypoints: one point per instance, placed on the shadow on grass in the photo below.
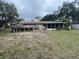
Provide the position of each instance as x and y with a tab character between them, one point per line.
4	32
2	57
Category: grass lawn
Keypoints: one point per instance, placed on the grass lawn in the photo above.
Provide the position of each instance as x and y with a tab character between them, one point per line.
65	44
4	32
2	57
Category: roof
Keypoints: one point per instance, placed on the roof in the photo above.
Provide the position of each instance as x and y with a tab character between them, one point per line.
22	26
44	22
30	24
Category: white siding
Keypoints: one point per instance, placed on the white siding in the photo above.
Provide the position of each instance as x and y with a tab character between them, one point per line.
75	26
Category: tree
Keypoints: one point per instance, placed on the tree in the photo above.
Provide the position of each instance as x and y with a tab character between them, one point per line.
49	17
38	17
67	10
12	13
2	21
19	20
8	13
67	22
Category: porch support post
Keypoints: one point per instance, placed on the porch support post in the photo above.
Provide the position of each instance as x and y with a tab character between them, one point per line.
15	29
55	26
47	26
59	26
25	29
34	25
51	26
63	26
18	29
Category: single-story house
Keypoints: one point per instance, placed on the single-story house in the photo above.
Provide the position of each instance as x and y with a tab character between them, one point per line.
47	25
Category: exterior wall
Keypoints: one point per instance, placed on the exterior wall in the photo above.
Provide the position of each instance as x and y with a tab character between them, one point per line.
54	26
75	26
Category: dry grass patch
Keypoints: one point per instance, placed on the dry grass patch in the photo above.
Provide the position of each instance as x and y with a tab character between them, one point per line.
29	45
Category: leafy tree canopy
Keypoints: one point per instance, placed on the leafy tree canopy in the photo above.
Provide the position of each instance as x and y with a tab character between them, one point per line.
68	10
8	13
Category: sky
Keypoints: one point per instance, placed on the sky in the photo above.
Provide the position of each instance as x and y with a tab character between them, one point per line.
29	9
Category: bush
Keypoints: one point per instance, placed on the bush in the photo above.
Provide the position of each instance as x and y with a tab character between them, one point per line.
1	53
67	22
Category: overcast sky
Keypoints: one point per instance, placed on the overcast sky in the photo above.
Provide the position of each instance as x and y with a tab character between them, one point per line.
31	8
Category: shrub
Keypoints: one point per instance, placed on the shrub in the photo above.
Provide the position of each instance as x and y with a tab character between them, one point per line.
67	22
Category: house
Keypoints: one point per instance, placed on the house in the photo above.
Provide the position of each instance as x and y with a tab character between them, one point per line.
46	25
